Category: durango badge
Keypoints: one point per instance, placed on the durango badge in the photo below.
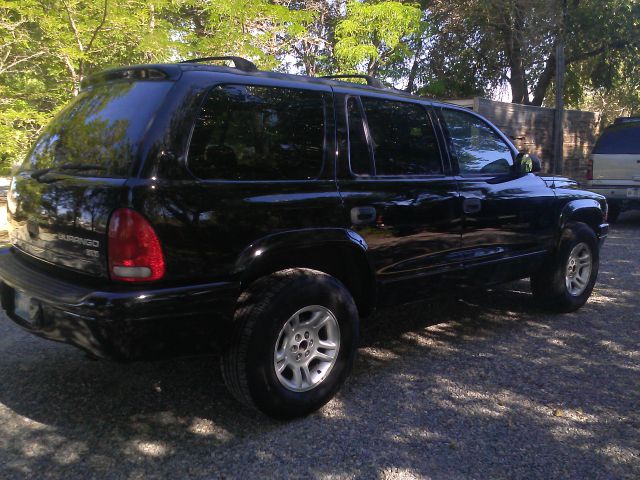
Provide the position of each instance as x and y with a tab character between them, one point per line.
87	242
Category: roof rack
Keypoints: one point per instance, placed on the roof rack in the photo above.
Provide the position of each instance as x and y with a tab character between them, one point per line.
371	81
238	62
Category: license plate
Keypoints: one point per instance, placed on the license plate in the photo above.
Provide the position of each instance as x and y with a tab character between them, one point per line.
633	192
23	307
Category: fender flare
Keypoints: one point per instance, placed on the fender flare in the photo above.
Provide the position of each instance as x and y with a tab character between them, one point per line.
586	210
337	251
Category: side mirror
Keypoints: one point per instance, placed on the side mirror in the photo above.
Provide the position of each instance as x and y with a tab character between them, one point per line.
537	163
526	163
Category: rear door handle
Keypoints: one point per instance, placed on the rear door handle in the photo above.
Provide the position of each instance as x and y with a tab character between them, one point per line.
363	215
471	205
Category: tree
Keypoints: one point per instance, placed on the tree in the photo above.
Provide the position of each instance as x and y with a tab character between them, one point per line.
514	40
441	48
49	47
374	38
309	46
252	28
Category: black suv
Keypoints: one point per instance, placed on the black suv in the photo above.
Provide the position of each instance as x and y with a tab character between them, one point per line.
174	208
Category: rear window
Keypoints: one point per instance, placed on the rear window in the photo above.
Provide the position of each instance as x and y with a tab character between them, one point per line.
258	133
619	140
98	134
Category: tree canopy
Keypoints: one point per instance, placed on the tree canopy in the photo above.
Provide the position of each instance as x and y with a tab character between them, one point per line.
438	48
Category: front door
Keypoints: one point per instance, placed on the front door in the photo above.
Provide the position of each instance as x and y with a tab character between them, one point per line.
398	191
508	218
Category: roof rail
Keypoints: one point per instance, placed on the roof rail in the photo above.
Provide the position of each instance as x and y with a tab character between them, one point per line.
238	62
371	81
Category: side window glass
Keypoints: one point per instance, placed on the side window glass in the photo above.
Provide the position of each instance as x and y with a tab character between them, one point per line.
359	157
404	142
476	145
258	133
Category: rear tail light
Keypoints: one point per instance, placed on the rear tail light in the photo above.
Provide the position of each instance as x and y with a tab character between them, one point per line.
135	254
590	170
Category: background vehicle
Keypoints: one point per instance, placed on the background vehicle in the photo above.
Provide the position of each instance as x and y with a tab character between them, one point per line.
180	206
615	166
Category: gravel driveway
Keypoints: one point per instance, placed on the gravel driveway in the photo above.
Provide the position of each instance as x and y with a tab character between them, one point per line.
487	386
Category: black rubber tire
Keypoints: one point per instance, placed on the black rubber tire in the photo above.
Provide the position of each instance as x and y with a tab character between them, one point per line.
615	209
548	284
263	309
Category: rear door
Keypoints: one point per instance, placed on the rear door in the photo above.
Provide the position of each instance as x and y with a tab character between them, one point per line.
506	217
62	196
398	191
259	164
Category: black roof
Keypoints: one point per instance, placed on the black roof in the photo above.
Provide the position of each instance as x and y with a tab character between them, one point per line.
173	71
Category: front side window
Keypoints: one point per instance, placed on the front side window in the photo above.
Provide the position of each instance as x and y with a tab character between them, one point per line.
403	139
476	145
249	132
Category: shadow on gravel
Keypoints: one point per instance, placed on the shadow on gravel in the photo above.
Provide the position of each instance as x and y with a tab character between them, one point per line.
485	386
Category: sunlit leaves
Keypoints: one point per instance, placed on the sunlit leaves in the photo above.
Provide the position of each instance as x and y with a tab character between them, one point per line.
372	35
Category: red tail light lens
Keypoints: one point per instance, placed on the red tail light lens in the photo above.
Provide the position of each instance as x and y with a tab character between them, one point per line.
590	170
135	254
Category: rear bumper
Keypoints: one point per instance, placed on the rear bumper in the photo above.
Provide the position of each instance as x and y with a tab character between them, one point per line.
117	323
629	193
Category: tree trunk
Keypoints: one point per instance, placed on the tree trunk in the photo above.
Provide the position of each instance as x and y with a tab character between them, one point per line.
513	49
152	25
519	93
75	80
540	90
413	73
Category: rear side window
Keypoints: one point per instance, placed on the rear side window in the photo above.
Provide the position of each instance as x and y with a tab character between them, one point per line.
402	137
478	148
98	134
619	140
258	133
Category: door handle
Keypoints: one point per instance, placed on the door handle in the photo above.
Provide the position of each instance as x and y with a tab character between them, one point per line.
471	205
363	215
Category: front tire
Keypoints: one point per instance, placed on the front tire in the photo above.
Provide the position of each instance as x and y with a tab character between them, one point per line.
294	342
566	280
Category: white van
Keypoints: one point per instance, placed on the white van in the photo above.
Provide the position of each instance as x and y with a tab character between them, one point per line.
615	166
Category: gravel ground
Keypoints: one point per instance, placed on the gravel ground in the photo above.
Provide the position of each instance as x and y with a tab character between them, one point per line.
487	386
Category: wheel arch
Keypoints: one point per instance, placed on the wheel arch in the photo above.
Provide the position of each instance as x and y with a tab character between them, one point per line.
586	210
340	253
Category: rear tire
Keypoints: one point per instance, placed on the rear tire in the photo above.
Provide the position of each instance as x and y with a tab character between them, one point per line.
278	321
566	280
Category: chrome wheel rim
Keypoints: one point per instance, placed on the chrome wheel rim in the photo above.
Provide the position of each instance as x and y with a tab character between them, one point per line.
579	267
307	348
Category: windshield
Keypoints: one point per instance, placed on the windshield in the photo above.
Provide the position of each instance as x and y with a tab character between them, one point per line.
99	132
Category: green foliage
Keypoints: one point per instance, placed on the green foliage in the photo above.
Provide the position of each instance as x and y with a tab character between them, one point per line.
250	28
48	47
441	48
374	37
513	41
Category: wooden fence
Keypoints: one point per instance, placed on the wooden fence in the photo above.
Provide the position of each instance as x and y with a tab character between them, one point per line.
531	129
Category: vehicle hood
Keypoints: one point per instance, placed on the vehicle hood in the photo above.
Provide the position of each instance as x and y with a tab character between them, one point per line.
555	181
